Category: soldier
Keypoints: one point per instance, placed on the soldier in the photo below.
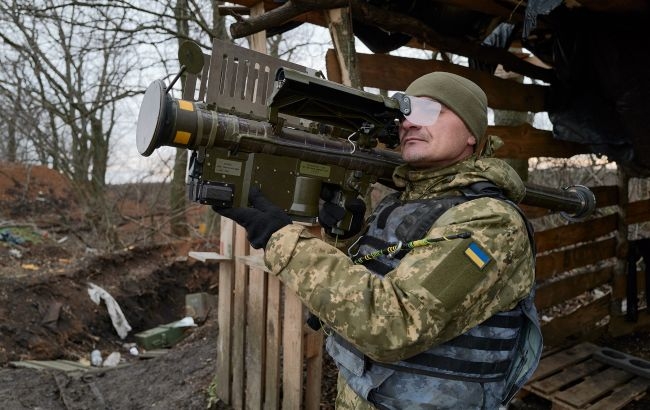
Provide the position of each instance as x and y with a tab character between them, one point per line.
433	306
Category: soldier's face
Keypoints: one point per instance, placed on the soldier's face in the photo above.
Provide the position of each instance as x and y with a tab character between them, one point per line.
445	142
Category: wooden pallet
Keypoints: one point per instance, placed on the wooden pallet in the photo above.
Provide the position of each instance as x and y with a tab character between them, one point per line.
578	378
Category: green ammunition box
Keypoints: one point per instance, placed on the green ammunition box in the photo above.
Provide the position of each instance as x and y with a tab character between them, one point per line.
160	337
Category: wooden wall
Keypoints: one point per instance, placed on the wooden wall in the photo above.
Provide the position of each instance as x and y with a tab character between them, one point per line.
582	274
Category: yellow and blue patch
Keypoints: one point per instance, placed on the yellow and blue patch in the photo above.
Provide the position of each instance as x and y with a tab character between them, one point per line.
478	256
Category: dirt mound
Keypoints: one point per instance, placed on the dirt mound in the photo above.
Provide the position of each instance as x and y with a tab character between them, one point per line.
32	191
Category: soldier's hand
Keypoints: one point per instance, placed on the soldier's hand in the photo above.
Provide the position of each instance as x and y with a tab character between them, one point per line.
331	214
260	221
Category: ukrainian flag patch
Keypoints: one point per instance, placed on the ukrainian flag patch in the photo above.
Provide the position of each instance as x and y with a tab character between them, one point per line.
477	255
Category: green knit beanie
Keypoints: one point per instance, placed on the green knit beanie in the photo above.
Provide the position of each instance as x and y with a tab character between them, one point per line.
457	93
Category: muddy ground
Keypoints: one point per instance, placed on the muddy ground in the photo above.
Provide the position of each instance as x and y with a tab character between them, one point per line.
47	314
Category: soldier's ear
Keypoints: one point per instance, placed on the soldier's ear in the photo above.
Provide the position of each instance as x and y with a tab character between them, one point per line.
471	140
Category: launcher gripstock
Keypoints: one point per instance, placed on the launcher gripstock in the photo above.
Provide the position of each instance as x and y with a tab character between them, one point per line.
253	120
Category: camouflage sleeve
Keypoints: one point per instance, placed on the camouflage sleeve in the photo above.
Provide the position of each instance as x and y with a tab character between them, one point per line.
435	293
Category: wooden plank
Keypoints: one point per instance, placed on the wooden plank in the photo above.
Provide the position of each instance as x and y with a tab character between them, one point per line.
579	323
339	23
554	363
395	73
575	233
225	312
562	261
594	387
255	335
314	368
566	376
524	141
619	286
292	352
61	365
605	195
633	390
239	319
562	290
619	326
257	41
637	212
273	344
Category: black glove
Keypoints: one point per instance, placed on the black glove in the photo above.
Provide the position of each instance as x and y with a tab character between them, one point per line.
331	214
260	221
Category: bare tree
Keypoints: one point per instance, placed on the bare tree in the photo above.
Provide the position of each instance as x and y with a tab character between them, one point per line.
70	60
71	72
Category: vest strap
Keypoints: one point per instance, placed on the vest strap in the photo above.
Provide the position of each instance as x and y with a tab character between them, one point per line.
483	343
504	321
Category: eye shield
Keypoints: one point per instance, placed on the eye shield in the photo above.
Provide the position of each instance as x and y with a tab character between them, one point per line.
418	110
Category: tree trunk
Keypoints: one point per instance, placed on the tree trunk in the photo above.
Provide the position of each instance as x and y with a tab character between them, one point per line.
177	200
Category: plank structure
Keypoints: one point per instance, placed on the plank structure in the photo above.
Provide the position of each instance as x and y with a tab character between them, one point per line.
586	376
267	358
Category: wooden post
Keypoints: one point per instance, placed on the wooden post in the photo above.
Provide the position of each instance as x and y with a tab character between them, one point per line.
240	294
257	41
273	343
621	239
224	310
513	118
339	22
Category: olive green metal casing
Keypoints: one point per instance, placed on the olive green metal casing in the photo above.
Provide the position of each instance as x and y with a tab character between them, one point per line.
292	184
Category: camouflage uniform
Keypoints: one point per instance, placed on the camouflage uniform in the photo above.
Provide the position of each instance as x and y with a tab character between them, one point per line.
435	293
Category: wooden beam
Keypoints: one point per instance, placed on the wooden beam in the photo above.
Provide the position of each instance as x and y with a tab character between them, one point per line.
575	233
258	40
392	21
583	255
272	379
619	286
225	311
525	141
255	352
637	212
339	23
240	292
293	352
395	73
619	326
562	290
577	323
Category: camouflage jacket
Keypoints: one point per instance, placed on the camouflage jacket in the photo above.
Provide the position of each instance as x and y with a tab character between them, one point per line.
435	293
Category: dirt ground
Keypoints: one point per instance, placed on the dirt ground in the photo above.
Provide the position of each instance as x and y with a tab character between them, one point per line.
47	314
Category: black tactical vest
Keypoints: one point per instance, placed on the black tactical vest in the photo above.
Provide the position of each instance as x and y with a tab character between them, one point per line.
486	353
